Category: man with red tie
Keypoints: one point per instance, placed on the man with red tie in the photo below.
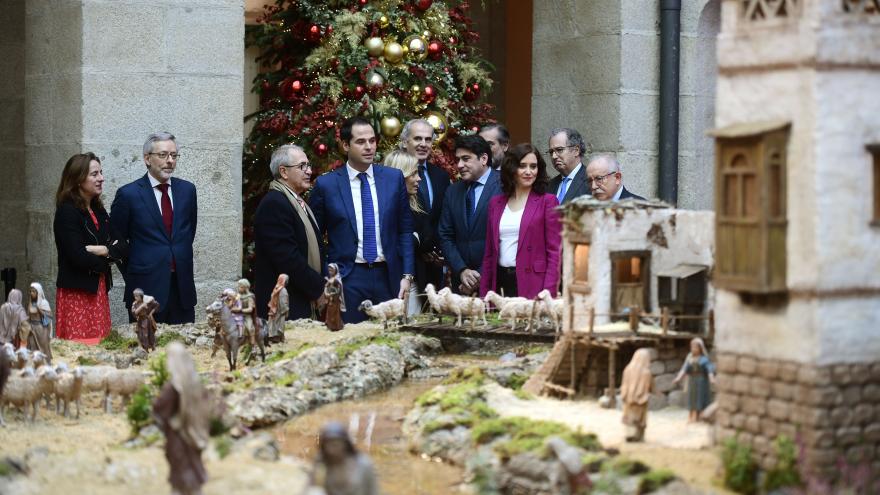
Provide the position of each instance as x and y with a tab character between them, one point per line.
157	215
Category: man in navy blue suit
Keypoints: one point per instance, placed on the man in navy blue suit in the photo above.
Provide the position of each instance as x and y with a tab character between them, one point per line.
463	220
363	208
157	215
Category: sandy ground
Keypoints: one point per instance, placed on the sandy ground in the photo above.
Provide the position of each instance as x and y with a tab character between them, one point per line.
87	456
670	441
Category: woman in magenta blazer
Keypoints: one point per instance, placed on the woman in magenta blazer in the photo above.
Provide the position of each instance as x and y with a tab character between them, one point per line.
523	229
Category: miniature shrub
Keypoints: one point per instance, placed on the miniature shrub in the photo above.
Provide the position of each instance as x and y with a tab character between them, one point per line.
472	374
140	409
594	461
785	473
654	479
287	380
628	467
523	395
158	365
169	337
516	381
527	435
740	469
223	444
116	342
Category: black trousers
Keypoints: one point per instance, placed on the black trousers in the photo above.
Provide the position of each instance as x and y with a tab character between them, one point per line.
505	281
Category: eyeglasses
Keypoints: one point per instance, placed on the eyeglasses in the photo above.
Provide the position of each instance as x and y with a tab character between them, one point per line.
302	166
559	149
601	179
164	155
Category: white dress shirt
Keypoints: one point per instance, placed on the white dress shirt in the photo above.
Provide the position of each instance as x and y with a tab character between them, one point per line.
355	183
158	193
481	184
508	235
617	194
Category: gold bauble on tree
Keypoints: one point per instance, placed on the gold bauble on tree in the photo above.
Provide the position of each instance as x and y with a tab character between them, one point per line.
390	126
384	22
416	48
438	122
393	52
374	46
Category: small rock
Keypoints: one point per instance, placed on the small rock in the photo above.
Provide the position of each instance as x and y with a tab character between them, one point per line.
203	341
267	452
656	401
507	357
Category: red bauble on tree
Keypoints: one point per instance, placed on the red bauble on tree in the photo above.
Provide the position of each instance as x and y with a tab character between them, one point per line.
435	50
429	94
314	34
321	149
423	5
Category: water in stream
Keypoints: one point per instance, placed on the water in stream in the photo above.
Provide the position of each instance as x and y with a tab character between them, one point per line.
378	419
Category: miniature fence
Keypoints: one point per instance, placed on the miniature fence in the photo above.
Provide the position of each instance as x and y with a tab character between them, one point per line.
664	320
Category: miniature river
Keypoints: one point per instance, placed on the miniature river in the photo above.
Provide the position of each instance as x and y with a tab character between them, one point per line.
378	419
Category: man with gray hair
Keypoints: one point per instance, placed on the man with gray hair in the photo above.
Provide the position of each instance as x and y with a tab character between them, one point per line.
417	138
157	216
566	151
606	179
286	236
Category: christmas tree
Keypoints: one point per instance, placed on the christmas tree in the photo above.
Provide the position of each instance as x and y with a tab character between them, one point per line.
387	60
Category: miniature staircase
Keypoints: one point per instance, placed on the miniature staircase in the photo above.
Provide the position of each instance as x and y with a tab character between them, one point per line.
559	372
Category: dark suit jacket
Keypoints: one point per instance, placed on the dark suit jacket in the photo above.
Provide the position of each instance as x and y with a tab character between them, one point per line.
74	230
281	246
626	194
136	217
439	183
576	188
426	225
333	206
463	245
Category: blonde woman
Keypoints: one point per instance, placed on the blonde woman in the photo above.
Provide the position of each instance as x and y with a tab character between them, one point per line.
423	234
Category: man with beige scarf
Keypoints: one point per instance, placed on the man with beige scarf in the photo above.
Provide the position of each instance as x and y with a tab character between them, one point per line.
286	236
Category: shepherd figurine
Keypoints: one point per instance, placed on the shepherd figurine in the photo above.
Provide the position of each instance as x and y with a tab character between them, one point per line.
142	308
635	389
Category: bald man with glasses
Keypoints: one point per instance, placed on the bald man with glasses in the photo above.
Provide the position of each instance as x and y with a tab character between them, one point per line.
606	179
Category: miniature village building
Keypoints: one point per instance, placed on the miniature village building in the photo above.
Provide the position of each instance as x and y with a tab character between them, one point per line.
797	272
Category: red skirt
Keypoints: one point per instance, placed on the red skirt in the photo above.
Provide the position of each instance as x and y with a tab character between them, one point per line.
82	316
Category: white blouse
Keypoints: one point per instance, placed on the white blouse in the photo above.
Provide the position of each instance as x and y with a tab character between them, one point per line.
508	232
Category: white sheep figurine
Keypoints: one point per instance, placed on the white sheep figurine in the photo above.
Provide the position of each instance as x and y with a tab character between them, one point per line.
25	389
463	306
512	308
68	387
22	356
435	300
545	305
393	308
123	383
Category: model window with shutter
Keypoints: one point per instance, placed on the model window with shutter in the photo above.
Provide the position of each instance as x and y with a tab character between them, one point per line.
750	207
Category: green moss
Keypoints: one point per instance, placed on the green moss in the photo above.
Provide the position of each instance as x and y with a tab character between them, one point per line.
523	395
158	365
287	355
6	469
345	349
785	473
470	374
516	381
169	337
223	444
740	470
537	349
287	380
218	427
654	479
594	461
527	435
116	342
86	361
628	467
236	374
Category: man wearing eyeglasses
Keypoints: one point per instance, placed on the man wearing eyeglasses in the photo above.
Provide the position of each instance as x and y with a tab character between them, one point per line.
606	179
567	149
157	215
286	237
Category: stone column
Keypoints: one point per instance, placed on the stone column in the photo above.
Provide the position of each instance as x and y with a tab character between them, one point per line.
13	193
807	364
101	76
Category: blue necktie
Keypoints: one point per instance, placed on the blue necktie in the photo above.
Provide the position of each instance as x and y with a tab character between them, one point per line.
471	203
423	188
563	190
370	253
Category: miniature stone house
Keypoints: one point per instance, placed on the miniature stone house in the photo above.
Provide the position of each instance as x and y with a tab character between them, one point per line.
798	264
633	262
